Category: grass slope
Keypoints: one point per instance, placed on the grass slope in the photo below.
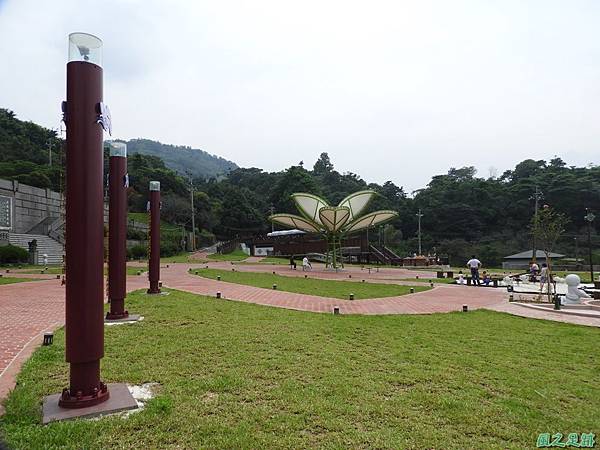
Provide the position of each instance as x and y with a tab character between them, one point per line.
236	375
312	286
11	280
236	255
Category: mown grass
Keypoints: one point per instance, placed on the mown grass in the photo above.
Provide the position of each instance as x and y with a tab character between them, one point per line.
12	280
236	375
429	280
311	286
236	255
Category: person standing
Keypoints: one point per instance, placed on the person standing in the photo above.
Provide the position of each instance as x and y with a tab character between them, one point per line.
306	264
474	264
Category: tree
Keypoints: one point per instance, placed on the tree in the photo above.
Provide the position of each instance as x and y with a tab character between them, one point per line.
548	226
323	165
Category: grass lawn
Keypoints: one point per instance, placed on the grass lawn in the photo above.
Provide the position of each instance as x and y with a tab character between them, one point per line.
277	260
180	258
427	280
237	375
54	270
312	286
236	255
11	280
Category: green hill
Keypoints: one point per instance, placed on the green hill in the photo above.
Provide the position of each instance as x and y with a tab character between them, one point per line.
183	159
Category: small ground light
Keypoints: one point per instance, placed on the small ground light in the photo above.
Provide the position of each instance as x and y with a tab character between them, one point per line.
273	272
139	272
218	295
48	338
58	277
7	270
160	284
511	298
412	290
336	310
305	276
275	286
465	308
167	266
0	275
218	277
349	276
431	283
362	281
233	270
417	277
351	297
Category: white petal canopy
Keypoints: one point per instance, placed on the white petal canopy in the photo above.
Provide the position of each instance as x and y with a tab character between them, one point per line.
370	220
334	218
293	221
309	205
357	202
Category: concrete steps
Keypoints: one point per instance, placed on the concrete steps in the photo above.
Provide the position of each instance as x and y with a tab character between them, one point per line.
45	244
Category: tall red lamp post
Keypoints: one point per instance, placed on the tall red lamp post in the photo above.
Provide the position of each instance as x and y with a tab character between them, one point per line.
118	181
154	257
85	118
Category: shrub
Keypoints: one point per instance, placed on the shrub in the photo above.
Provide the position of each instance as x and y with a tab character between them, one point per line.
10	254
137	251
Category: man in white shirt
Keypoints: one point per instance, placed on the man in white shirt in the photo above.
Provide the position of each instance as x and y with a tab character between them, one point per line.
306	264
474	264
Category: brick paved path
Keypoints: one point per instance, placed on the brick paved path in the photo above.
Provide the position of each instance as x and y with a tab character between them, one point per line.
28	309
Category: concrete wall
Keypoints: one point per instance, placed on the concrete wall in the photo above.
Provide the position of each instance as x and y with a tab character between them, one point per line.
29	205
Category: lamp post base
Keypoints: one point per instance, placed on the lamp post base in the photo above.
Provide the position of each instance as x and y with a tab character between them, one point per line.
119	400
117	316
68	400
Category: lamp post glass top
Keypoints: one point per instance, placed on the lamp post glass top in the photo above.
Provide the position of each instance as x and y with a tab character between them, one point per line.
118	149
589	217
85	47
155	185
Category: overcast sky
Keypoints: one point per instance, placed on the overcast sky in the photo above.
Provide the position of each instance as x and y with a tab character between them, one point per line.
392	90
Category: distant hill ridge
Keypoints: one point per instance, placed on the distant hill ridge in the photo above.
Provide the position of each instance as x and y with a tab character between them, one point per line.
183	159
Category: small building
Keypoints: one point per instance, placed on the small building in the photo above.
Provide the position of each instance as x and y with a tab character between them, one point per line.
522	260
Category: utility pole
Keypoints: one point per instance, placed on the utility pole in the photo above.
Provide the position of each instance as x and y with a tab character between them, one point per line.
589	217
419	215
193	212
49	151
537	196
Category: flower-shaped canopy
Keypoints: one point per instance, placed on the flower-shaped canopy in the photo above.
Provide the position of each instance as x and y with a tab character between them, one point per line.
318	216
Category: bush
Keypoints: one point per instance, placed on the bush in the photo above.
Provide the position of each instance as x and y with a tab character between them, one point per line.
137	252
136	235
205	239
10	254
169	248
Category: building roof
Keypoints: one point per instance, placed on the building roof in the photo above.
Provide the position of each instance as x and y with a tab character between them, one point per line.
528	255
285	233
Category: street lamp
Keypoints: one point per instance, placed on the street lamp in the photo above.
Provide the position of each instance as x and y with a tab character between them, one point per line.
589	217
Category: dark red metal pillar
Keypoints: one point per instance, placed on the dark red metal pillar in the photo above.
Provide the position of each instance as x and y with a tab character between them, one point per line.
117	230
154	257
84	236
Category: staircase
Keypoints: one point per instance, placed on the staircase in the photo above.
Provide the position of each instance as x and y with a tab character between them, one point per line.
379	256
45	244
393	257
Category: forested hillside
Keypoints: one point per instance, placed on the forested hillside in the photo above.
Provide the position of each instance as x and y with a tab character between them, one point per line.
183	160
462	212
